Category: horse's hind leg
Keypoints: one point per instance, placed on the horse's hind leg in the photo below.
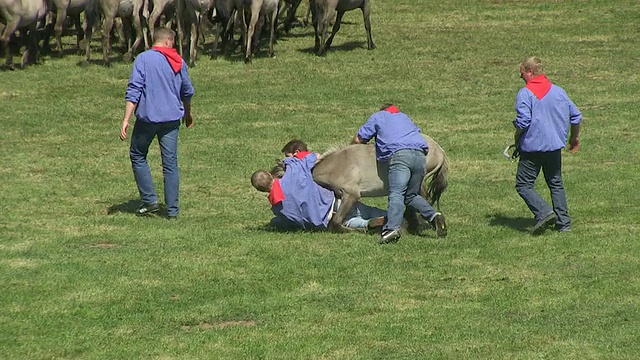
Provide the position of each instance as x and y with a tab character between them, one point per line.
366	10
336	223
335	29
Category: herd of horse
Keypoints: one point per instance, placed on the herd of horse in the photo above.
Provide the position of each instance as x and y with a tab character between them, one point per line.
22	20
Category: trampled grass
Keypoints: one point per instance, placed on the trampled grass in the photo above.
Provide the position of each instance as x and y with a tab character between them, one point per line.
82	277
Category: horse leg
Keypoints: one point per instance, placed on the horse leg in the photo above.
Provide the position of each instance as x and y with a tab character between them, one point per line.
316	26
366	10
214	49
30	55
90	18
250	31
337	221
305	22
61	17
335	29
151	24
79	32
5	37
106	39
324	30
274	17
137	26
193	43
291	15
180	9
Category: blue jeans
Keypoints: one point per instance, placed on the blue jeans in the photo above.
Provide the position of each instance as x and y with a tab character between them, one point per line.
358	217
143	135
406	172
528	170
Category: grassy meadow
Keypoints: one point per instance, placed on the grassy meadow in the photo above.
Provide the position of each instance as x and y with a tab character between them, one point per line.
81	277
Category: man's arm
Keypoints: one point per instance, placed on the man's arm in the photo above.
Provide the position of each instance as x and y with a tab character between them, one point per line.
358	140
187	119
574	139
128	111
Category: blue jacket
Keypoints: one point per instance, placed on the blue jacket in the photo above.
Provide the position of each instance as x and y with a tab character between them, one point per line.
305	203
393	131
157	90
545	120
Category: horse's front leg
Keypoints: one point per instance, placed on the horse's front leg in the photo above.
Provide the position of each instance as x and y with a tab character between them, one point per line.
337	221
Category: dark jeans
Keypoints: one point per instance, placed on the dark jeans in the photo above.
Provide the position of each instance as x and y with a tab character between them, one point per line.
407	169
528	169
143	135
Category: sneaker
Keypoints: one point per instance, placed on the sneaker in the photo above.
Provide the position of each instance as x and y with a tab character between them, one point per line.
375	224
543	223
439	225
148	209
389	236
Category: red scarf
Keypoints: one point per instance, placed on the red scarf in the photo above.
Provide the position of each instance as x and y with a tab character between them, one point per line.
539	86
175	60
301	154
276	194
392	109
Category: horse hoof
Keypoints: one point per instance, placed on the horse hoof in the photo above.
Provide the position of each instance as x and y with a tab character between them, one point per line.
107	64
84	63
127	57
373	46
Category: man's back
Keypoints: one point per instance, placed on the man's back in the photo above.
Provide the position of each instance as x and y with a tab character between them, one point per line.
306	203
157	89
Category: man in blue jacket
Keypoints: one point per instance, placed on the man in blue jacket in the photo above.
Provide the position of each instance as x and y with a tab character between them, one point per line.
398	141
159	92
544	115
298	202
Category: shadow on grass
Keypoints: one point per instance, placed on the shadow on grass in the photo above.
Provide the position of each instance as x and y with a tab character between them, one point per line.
517	223
131	207
269	228
348	46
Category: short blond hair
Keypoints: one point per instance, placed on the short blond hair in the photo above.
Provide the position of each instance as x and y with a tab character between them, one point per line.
262	180
163	33
533	64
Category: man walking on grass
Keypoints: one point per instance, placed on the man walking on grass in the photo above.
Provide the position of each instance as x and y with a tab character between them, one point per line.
544	114
159	92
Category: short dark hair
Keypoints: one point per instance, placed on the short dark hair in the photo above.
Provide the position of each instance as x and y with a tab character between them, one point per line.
294	145
386	106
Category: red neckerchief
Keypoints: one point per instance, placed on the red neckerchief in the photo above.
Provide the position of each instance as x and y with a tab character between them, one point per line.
301	154
392	109
275	194
175	60
539	86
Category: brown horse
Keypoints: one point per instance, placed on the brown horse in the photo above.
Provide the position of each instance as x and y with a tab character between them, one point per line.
352	172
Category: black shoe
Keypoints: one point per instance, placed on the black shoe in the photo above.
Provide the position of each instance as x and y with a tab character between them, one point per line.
542	225
439	225
375	224
148	209
389	236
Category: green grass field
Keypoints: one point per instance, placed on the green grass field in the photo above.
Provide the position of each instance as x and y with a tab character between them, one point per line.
81	277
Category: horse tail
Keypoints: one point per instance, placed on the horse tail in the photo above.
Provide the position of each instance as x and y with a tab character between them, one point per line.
93	15
438	183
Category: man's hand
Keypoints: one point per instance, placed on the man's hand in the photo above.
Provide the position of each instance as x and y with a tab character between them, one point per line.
574	145
187	120
123	129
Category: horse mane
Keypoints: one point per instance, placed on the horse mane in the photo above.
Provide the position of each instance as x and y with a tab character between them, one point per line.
331	150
